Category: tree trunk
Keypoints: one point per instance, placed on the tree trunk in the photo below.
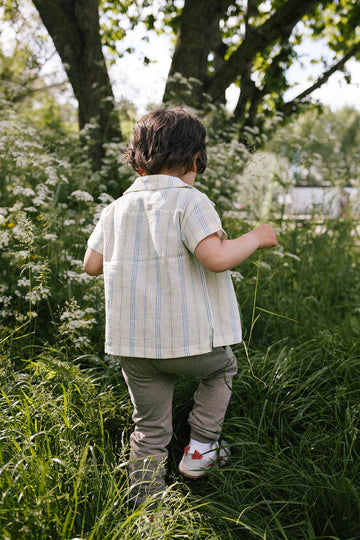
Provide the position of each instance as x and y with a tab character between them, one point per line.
198	35
75	30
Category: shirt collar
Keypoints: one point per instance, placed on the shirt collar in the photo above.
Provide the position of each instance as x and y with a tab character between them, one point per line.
157	181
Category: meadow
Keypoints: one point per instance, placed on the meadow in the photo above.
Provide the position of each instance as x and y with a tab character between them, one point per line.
293	421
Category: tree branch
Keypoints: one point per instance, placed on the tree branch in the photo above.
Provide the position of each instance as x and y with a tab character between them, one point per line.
280	24
250	94
291	106
30	91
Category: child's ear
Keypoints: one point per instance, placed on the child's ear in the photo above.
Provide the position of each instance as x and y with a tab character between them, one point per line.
194	167
141	171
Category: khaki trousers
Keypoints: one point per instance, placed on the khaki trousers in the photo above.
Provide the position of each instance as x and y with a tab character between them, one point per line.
151	387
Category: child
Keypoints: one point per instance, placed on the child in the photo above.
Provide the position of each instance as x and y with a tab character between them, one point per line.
170	303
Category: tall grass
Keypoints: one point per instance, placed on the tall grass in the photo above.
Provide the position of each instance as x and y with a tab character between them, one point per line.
293	420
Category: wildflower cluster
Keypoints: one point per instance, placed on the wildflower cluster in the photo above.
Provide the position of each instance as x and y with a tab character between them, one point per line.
46	216
74	324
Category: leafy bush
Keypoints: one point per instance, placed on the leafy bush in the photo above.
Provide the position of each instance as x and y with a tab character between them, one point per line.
46	216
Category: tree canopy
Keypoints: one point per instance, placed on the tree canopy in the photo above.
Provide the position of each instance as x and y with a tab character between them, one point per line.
217	43
248	43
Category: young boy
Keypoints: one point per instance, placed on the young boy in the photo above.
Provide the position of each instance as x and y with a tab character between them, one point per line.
170	303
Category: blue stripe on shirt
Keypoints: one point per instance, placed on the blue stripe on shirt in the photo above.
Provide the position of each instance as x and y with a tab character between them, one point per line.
218	305
206	299
192	263
124	240
184	314
158	295
230	290
199	214
133	288
145	291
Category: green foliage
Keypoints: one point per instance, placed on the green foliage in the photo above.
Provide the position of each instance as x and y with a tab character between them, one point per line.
46	217
336	18
322	148
293	421
24	49
228	154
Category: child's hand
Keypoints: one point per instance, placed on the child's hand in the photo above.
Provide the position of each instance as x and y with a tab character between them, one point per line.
219	255
265	235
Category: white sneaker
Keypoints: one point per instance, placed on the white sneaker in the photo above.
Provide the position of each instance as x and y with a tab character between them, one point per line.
194	464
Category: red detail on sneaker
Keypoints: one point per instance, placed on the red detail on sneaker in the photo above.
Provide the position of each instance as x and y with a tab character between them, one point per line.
196	455
186	450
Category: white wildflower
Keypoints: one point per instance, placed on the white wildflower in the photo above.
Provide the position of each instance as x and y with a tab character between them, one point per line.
69	222
232	214
264	265
35	267
21	161
50	236
5	300
38	293
278	253
87	230
24	230
17	206
105	198
75	262
80	195
66	314
76	324
23	282
52	178
4	239
43	195
20	317
21	255
81	341
293	256
20	190
75	276
113	362
236	276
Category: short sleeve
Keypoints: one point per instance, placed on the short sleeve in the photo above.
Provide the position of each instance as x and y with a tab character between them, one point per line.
96	240
199	220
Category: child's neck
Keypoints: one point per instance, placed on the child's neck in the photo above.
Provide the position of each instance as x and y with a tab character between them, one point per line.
188	178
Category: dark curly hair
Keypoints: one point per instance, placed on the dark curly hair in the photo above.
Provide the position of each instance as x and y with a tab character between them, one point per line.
167	138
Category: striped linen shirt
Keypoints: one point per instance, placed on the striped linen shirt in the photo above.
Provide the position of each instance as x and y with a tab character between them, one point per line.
160	302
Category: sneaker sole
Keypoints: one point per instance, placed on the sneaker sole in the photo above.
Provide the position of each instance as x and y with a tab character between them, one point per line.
191	473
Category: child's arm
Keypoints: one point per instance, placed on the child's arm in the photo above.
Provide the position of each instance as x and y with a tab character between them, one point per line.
93	262
219	255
